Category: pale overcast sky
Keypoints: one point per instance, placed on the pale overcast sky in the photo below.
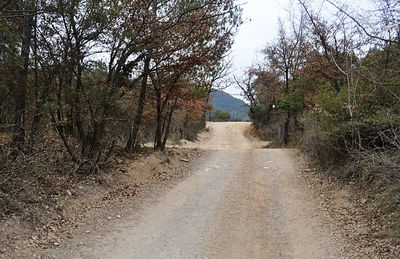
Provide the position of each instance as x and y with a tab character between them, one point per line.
259	28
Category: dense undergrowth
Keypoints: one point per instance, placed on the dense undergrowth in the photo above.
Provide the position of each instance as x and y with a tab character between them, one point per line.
31	183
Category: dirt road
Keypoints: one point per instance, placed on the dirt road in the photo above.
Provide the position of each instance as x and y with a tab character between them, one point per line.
239	202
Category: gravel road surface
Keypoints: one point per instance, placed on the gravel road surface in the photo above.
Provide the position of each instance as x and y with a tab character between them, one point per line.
240	201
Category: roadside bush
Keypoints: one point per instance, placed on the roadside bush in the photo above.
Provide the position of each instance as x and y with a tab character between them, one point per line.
30	182
318	143
259	115
375	170
221	116
184	127
379	174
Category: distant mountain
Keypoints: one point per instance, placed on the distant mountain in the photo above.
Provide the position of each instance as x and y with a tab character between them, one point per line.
225	102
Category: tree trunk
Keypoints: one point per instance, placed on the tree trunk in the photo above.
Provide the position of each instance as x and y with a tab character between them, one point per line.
158	133
297	124
139	112
169	120
286	129
286	80
21	89
204	117
77	104
39	100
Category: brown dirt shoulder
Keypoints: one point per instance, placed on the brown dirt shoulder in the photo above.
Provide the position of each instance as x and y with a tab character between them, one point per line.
353	216
94	200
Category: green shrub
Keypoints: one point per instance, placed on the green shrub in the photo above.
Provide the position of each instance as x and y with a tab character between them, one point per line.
259	115
221	116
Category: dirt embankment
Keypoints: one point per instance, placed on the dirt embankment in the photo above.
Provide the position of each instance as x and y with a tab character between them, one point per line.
97	199
352	216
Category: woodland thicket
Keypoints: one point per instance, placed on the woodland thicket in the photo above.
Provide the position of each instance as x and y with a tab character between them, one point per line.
82	78
330	83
